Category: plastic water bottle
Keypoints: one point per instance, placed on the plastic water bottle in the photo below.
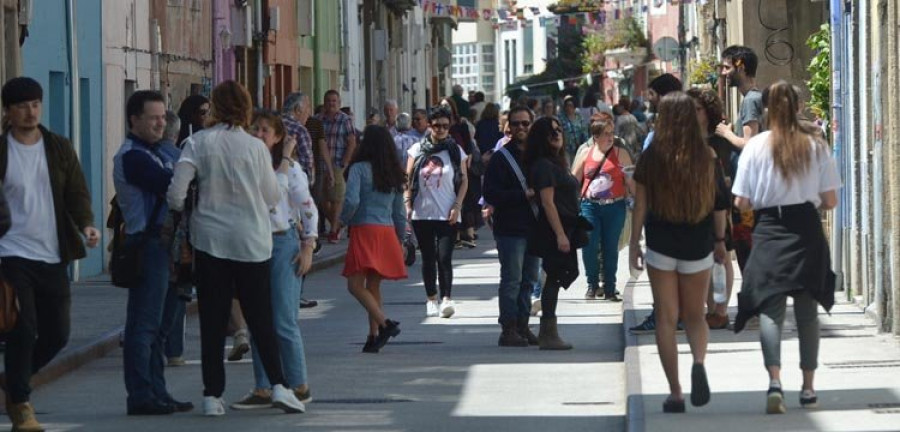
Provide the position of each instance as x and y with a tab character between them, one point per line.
718	281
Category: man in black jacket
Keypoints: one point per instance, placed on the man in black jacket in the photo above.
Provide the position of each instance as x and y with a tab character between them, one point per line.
51	210
514	216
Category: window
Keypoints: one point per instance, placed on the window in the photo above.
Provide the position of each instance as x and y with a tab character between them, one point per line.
487	81
528	48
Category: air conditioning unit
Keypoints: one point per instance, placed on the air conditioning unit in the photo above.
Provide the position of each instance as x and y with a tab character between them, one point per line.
274	18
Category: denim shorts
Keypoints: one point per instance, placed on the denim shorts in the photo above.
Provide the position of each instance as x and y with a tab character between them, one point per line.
667	263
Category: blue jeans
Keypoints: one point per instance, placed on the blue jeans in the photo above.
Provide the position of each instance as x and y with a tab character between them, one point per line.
144	330
286	289
519	274
174	346
608	221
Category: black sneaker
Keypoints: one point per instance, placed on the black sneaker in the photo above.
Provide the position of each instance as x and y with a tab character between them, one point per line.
591	293
179	406
370	347
775	401
648	326
613	297
151	408
808	399
305	304
388	330
317	249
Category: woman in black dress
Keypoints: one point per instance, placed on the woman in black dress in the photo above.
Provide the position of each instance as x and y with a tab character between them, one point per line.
554	237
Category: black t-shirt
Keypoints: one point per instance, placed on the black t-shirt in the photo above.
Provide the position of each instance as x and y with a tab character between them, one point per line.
543	174
685	241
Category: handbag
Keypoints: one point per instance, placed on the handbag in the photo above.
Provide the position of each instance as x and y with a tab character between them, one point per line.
125	260
9	305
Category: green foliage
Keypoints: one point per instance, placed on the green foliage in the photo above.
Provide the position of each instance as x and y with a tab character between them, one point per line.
624	33
704	72
820	72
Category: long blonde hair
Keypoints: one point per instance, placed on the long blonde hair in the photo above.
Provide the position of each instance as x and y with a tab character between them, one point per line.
790	138
678	170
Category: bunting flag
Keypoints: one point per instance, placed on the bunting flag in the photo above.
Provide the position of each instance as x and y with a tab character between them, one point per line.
509	11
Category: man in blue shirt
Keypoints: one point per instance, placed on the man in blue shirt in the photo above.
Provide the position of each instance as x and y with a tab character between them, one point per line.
142	171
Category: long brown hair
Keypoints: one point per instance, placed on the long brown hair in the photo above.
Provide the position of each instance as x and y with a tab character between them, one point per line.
790	138
678	170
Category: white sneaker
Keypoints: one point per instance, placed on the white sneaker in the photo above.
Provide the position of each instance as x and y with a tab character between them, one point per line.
447	308
431	308
213	406
284	399
535	306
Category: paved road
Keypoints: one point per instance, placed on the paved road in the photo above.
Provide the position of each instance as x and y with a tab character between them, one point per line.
438	375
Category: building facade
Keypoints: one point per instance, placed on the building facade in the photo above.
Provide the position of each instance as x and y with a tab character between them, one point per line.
73	103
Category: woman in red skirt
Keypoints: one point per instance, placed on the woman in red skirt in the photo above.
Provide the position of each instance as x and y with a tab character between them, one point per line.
376	216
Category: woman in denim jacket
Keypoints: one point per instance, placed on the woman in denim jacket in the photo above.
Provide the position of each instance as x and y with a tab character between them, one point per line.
375	212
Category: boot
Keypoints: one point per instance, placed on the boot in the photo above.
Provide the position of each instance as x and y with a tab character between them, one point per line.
525	332
22	416
548	338
511	337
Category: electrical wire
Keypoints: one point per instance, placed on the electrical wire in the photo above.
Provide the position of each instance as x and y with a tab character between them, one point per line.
770	51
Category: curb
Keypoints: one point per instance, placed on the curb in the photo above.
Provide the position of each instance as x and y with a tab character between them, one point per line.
79	356
634	405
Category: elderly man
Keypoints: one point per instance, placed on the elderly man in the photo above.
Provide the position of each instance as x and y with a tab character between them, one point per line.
404	139
390	116
341	138
294	114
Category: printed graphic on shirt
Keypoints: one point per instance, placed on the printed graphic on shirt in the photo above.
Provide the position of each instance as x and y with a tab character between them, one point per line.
433	172
600	187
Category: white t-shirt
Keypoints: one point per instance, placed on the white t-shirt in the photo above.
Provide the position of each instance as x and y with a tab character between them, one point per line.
436	192
760	181
32	234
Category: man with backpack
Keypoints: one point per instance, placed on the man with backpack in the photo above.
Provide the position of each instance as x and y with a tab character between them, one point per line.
142	171
50	208
514	216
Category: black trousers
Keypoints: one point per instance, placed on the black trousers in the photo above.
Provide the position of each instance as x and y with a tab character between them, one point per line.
219	281
43	327
436	240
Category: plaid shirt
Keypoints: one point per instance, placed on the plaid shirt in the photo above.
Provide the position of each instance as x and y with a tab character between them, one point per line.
338	130
294	128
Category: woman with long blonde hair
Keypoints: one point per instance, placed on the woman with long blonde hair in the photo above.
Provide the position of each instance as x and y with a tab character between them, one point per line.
786	175
680	198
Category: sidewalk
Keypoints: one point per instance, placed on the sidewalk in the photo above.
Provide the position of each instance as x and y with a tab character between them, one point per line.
857	382
98	317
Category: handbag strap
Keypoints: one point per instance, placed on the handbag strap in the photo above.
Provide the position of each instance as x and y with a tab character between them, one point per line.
518	171
599	167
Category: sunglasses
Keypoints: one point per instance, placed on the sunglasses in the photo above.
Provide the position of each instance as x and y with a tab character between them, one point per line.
523	123
440	125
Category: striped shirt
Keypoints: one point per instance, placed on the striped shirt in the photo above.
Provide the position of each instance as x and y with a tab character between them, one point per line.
338	130
293	128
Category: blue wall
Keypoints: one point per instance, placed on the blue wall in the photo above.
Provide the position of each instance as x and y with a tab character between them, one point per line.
45	58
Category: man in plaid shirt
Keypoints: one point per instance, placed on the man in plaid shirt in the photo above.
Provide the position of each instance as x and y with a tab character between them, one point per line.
341	138
293	115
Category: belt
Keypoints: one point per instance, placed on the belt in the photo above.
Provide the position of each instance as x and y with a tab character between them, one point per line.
781	211
280	233
605	201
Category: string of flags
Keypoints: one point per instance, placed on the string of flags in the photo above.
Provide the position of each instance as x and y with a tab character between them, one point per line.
510	14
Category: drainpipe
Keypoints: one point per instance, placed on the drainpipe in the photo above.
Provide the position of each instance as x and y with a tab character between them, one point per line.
837	241
316	91
155	46
260	44
75	97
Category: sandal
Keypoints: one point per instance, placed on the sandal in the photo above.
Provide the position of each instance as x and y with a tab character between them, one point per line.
699	385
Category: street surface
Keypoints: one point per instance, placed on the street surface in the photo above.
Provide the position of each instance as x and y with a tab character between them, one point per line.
437	375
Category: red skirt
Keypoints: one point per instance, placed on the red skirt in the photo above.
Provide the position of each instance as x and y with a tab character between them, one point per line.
374	248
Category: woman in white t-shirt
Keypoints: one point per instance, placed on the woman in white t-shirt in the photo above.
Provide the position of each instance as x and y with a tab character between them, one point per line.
437	174
786	176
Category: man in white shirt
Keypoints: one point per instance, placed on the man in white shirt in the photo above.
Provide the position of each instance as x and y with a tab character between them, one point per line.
391	110
51	210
